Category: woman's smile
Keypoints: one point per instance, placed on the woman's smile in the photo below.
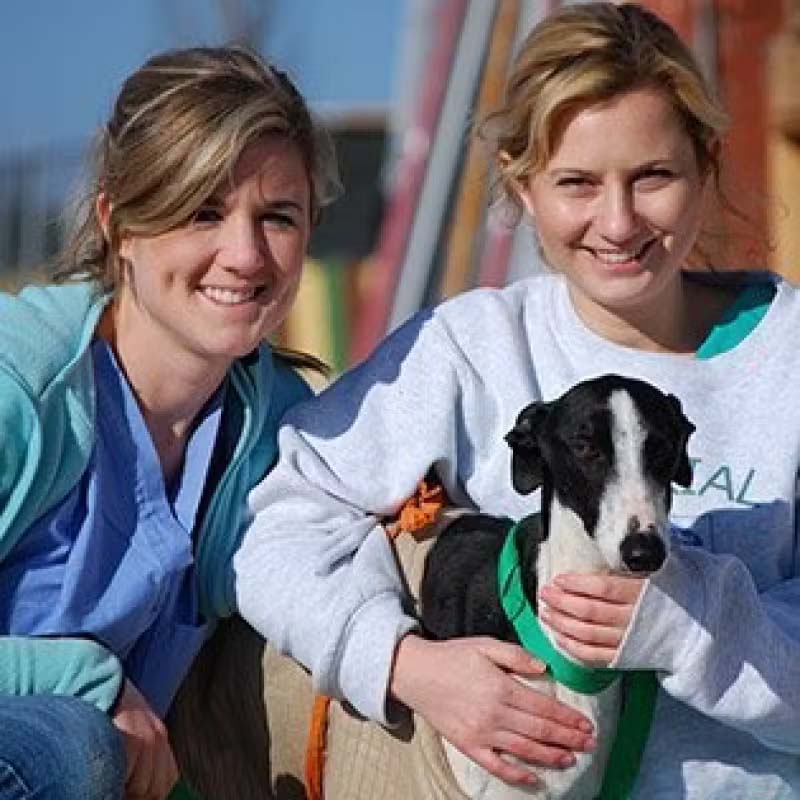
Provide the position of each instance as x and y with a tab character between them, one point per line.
621	261
230	297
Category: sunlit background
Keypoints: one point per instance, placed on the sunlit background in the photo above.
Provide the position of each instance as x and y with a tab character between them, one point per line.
398	82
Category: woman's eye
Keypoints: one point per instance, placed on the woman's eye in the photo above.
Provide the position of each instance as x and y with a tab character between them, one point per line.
576	186
655	177
571	182
207	214
279	220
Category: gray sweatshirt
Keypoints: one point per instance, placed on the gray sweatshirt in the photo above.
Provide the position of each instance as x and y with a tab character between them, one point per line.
720	622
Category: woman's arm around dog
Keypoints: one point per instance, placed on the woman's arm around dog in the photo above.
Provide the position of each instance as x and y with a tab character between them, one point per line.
730	651
317	575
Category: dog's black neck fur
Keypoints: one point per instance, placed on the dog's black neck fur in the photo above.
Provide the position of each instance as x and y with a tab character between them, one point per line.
464	599
532	532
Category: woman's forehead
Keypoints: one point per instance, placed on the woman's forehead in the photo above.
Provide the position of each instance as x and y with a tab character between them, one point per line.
635	125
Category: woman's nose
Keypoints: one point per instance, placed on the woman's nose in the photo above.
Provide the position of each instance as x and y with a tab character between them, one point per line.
243	247
616	218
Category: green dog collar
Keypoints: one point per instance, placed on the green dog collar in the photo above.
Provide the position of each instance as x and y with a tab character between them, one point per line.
639	687
585	680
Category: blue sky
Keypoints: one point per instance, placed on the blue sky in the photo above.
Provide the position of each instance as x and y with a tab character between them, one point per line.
62	61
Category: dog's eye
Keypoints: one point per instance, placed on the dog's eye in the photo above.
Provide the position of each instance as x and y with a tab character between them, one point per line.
585	450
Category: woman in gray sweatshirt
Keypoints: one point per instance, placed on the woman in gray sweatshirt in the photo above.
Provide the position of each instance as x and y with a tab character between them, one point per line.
609	140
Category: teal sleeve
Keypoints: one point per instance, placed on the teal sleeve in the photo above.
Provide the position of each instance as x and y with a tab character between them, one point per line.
18	456
65	666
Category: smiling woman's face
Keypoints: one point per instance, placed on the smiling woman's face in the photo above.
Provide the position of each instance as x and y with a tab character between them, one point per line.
213	288
618	206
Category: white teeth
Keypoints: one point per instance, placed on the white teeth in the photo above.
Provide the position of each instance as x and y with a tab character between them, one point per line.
615	258
228	297
619	257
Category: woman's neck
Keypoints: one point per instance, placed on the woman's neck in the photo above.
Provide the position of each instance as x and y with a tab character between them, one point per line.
170	388
677	321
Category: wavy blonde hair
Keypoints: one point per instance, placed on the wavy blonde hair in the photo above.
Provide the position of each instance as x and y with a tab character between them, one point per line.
589	53
177	130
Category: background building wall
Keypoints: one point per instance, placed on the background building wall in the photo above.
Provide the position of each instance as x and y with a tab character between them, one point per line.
783	143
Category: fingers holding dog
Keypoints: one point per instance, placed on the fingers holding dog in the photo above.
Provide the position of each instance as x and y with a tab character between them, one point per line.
499	715
575	628
543	707
614	589
506	769
524	750
509	657
590	654
544	741
589	614
529	724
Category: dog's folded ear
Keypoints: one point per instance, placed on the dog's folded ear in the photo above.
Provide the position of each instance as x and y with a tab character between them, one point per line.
527	464
683	467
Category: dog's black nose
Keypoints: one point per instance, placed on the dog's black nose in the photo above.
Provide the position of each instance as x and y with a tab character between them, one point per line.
642	552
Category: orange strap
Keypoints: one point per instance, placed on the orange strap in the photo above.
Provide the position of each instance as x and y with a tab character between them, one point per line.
315	747
420	510
417	512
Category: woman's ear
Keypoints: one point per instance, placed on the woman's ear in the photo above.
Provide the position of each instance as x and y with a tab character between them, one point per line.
103	207
525	195
520	187
102	210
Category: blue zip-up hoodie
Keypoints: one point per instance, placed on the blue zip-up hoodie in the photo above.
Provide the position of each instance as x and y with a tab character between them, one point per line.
47	407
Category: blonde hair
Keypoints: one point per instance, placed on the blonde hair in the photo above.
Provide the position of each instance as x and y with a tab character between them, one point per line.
178	127
589	53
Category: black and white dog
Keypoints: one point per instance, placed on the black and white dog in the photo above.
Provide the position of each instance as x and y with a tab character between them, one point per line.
604	455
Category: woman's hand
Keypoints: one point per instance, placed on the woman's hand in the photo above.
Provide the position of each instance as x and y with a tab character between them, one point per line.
589	614
152	771
463	688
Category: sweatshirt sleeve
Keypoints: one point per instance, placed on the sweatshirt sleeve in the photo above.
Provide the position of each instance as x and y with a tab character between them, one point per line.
64	666
725	649
315	573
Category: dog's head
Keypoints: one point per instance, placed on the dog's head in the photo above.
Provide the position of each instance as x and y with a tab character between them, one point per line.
608	450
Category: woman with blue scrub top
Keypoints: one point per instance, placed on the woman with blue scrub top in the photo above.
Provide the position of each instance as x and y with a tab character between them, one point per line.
139	403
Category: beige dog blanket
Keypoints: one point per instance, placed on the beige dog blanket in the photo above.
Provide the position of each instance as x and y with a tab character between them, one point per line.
364	761
240	726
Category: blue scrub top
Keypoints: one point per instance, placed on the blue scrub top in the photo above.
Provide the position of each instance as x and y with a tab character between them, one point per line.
114	560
